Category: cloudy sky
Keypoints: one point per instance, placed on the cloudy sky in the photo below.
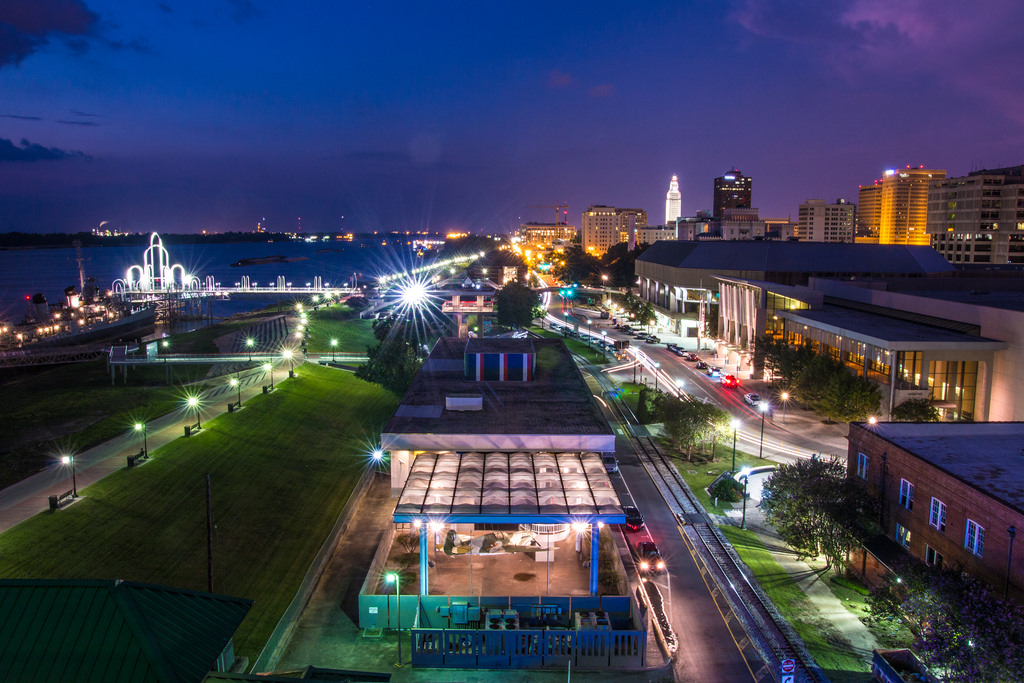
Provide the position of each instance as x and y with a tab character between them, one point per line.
183	116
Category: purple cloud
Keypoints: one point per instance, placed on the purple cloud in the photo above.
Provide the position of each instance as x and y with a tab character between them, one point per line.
25	27
29	151
603	90
558	79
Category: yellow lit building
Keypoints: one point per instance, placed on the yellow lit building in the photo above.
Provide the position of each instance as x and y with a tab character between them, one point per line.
604	226
904	210
546	235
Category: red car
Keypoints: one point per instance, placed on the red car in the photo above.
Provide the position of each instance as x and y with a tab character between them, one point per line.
730	382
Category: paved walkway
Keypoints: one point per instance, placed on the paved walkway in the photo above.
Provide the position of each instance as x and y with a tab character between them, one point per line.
30	496
810	580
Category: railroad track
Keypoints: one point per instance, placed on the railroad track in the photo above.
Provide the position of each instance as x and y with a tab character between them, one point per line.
770	635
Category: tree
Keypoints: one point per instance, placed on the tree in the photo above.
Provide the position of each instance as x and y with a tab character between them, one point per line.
847	398
688	422
516	304
577	265
915	410
396	357
619	263
817	509
964	631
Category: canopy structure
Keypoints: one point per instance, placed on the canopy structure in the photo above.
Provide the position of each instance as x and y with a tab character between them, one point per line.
508	488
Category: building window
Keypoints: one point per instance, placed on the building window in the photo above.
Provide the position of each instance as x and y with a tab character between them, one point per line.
974	539
937	516
862	466
932	558
902	535
906	494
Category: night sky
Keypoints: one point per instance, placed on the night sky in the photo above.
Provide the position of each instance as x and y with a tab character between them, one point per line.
184	116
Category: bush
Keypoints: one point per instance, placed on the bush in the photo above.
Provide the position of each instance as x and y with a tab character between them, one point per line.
727	490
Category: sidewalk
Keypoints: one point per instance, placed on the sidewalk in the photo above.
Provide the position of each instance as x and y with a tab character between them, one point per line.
810	580
30	496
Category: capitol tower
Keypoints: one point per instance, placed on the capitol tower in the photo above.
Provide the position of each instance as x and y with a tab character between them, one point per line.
673	202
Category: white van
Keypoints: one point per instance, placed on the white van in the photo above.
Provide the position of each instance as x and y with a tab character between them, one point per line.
610	463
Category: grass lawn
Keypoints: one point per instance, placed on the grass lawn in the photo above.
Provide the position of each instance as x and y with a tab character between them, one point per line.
74	407
342	323
592	355
202	340
281	470
830	650
702	470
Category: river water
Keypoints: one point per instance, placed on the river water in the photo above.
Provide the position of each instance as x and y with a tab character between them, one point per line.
26	272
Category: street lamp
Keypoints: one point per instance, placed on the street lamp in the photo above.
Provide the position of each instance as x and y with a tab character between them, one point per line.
70	460
604	342
141	427
193	403
234	383
334	349
392	577
267	367
249	343
735	424
744	475
763	407
785	397
656	366
287	354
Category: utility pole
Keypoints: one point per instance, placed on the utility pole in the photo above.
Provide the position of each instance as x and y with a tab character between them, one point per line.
209	538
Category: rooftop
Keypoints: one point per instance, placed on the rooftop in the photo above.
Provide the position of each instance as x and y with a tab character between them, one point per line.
889	333
509	487
556	404
797	257
986	455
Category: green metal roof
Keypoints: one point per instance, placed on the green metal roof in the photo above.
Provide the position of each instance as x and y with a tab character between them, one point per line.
109	631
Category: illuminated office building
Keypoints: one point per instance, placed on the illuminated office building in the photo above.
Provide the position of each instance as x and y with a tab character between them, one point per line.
673	202
904	210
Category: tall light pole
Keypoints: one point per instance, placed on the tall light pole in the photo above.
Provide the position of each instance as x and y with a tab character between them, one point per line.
392	577
141	427
234	383
744	477
334	349
590	339
267	367
735	424
657	365
764	409
785	398
193	403
249	343
70	460
604	342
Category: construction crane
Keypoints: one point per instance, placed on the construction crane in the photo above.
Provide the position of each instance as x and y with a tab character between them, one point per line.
564	207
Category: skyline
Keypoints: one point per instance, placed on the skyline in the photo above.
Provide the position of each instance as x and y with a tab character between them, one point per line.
218	116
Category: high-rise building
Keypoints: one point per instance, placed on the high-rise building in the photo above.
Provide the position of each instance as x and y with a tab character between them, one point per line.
904	211
732	191
545	235
869	210
979	218
821	222
673	202
604	226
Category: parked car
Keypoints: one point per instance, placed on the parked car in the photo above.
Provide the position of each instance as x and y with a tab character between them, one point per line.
634	520
692	357
730	382
651	339
701	365
610	463
650	558
679	352
713	371
671	347
752	399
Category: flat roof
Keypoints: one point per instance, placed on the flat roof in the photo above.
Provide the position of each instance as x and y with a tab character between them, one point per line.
889	333
986	455
555	411
525	488
770	256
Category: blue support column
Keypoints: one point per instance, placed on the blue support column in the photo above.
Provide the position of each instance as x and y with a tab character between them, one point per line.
424	575
595	545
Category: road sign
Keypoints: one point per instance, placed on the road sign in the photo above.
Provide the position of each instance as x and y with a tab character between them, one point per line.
788	678
788	666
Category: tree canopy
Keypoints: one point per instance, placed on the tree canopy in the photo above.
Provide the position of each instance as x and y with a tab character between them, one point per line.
964	631
915	410
817	509
516	305
396	357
